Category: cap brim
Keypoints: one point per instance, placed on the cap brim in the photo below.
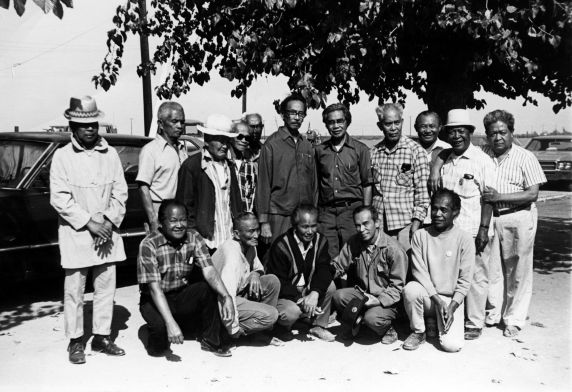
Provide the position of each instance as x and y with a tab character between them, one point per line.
216	132
459	125
84	120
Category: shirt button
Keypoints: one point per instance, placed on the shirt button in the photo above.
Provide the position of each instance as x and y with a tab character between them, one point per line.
336	191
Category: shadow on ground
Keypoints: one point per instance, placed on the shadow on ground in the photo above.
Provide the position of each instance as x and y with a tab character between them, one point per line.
553	246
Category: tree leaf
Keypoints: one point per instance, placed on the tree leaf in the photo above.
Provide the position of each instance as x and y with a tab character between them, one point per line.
45	5
68	3
20	6
5	3
58	10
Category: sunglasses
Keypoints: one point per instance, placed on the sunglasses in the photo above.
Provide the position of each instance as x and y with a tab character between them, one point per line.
243	137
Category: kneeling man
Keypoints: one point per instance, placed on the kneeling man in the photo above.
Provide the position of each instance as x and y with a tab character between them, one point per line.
380	264
300	259
168	294
443	257
254	294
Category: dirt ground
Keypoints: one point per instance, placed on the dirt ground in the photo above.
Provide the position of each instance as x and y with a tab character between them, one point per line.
33	353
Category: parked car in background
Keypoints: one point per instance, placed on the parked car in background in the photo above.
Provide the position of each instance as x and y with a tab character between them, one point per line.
554	152
28	228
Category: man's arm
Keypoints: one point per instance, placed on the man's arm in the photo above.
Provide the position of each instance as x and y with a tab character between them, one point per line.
419	267
366	175
434	181
263	191
342	262
116	207
147	202
279	264
466	266
186	191
397	260
173	330
227	307
482	237
421	194
227	262
527	196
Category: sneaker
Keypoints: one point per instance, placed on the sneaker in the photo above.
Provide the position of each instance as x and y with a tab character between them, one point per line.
431	328
322	334
472	333
218	351
76	353
413	341
390	336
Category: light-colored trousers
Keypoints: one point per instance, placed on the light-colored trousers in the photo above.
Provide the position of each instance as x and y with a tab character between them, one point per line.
103	295
418	305
289	311
257	316
476	300
514	246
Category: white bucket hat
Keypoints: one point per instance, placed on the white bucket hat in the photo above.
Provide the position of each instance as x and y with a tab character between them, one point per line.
218	125
459	118
83	110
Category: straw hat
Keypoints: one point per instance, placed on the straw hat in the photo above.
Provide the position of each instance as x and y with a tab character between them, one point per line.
83	110
459	118
218	125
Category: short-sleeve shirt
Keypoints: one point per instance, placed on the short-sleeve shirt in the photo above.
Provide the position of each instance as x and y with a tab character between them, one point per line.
160	260
159	164
518	171
343	173
478	165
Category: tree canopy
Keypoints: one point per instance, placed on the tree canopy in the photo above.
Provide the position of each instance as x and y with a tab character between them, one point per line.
47	6
444	51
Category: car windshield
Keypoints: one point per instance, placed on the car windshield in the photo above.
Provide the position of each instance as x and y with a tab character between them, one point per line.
16	159
550	145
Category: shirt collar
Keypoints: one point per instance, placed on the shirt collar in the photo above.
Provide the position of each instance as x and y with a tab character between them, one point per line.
284	133
207	159
380	241
178	145
300	243
402	143
348	142
470	153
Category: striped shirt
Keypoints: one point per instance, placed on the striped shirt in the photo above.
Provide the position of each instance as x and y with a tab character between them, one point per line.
219	174
473	162
518	171
160	260
247	175
400	178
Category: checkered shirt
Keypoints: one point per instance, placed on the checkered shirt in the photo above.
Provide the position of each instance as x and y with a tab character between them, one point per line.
160	260
400	192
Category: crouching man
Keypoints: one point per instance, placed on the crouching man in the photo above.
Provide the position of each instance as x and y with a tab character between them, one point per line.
300	259
168	295
254	294
443	257
380	266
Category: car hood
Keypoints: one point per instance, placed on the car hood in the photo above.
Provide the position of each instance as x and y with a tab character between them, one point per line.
553	155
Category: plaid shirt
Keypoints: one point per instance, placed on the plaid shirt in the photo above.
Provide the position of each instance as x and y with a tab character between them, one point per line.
162	261
400	178
247	173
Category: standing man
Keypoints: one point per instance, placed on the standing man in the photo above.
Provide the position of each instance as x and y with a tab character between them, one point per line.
300	260
246	168
519	177
443	257
468	171
380	264
344	178
428	126
208	186
286	171
169	296
254	121
160	160
400	173
254	294
89	192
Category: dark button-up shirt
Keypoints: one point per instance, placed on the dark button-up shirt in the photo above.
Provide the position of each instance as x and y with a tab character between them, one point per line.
381	268
286	175
160	260
343	174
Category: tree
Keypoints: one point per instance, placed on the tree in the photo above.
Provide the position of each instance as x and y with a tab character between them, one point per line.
444	51
54	6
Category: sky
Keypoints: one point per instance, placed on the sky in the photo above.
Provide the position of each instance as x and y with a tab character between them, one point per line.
44	61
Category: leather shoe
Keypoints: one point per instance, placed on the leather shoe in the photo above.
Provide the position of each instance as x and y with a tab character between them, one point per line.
76	354
218	351
413	341
390	336
103	344
472	333
322	333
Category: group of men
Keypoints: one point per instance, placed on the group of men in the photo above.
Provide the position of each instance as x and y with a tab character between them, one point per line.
342	228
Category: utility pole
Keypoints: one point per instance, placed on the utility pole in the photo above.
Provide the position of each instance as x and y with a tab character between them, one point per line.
146	79
244	101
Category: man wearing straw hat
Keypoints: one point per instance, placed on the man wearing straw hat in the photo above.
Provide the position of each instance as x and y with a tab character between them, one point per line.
89	192
208	186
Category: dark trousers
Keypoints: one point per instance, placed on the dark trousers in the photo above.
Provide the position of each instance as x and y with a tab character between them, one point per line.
194	301
337	224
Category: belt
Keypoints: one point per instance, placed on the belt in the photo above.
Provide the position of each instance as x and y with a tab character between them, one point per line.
341	203
498	213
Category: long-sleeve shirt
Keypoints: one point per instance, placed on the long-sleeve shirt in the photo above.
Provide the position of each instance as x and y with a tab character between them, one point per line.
234	268
84	185
381	268
443	262
286	175
400	177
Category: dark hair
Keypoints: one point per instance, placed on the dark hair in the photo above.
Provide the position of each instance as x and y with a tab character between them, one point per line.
302	209
292	97
499	115
241	218
168	203
455	199
335	107
427	113
372	210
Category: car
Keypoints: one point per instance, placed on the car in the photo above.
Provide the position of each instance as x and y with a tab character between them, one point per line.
554	152
28	232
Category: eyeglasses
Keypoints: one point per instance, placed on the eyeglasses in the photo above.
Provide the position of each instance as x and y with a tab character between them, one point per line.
293	113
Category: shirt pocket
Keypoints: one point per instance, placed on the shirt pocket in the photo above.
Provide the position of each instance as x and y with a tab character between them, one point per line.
305	161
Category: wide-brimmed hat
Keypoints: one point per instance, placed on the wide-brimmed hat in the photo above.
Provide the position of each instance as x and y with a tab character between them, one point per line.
218	125
83	110
459	118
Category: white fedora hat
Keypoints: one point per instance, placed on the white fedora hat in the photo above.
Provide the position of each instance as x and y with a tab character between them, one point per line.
217	125
83	110
459	118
